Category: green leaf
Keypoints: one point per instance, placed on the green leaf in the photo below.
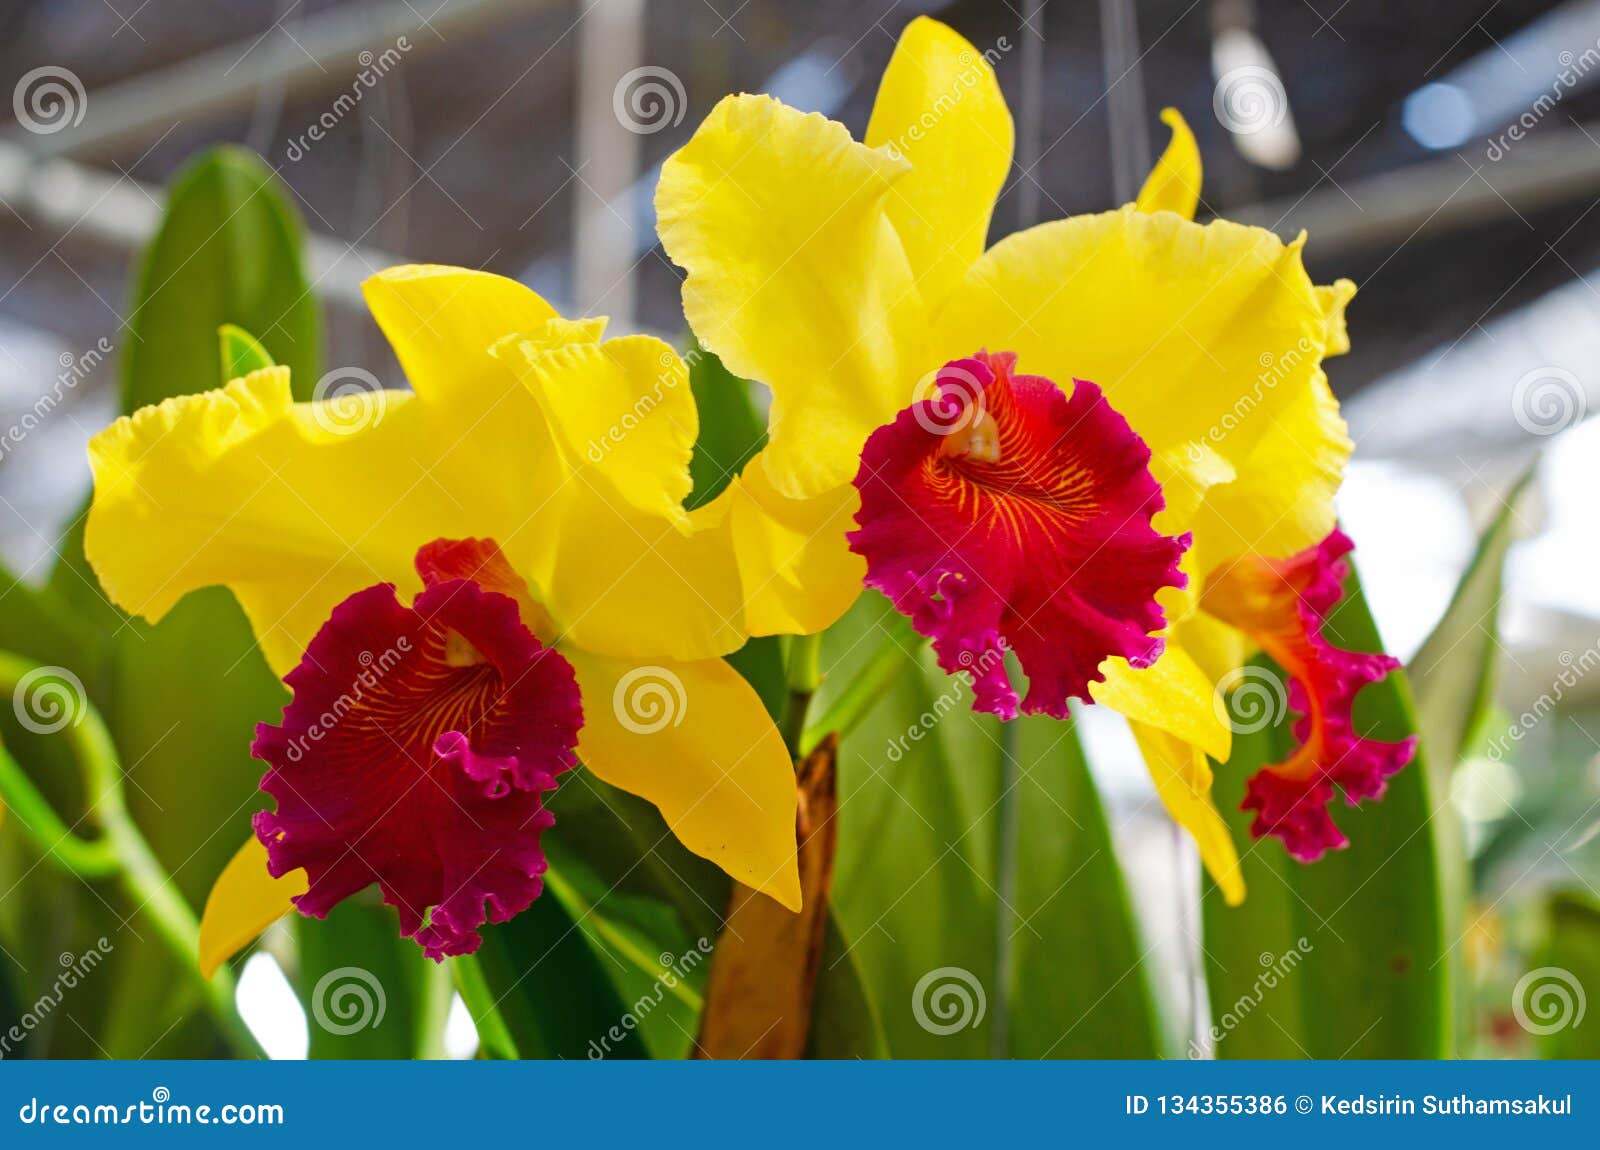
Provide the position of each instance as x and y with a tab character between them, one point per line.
1453	676
627	844
242	353
920	886
1348	957
229	251
731	431
1453	673
550	991
760	662
844	1018
657	967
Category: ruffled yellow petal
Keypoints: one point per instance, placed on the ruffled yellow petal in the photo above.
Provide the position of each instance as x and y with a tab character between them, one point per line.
441	322
939	106
1174	184
244	901
1183	780
621	411
1281	500
799	574
796	278
694	739
1174	696
1199	335
1334	298
293	507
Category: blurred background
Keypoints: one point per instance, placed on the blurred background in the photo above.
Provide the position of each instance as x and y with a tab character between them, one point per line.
1444	155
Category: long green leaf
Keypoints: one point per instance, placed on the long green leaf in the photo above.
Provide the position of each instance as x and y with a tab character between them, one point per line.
229	251
1348	957
1453	675
920	893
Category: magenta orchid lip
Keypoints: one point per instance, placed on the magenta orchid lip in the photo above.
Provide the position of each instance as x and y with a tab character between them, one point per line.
1001	513
431	780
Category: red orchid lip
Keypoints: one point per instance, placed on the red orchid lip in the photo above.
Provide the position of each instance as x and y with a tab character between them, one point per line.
422	768
1001	513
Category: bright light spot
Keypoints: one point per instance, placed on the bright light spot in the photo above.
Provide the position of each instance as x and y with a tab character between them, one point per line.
270	1009
460	1035
1542	569
1413	539
1439	116
1485	789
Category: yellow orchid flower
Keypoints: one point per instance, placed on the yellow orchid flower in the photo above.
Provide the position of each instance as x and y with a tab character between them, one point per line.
451	581
998	509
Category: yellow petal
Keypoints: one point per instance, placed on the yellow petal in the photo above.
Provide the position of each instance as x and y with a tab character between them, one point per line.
1334	299
1174	695
798	571
939	106
1216	647
293	507
1281	500
441	322
1203	336
694	739
1183	780
622	411
243	903
796	278
1174	184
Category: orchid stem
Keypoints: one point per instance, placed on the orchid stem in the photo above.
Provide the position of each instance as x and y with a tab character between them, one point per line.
804	672
121	850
